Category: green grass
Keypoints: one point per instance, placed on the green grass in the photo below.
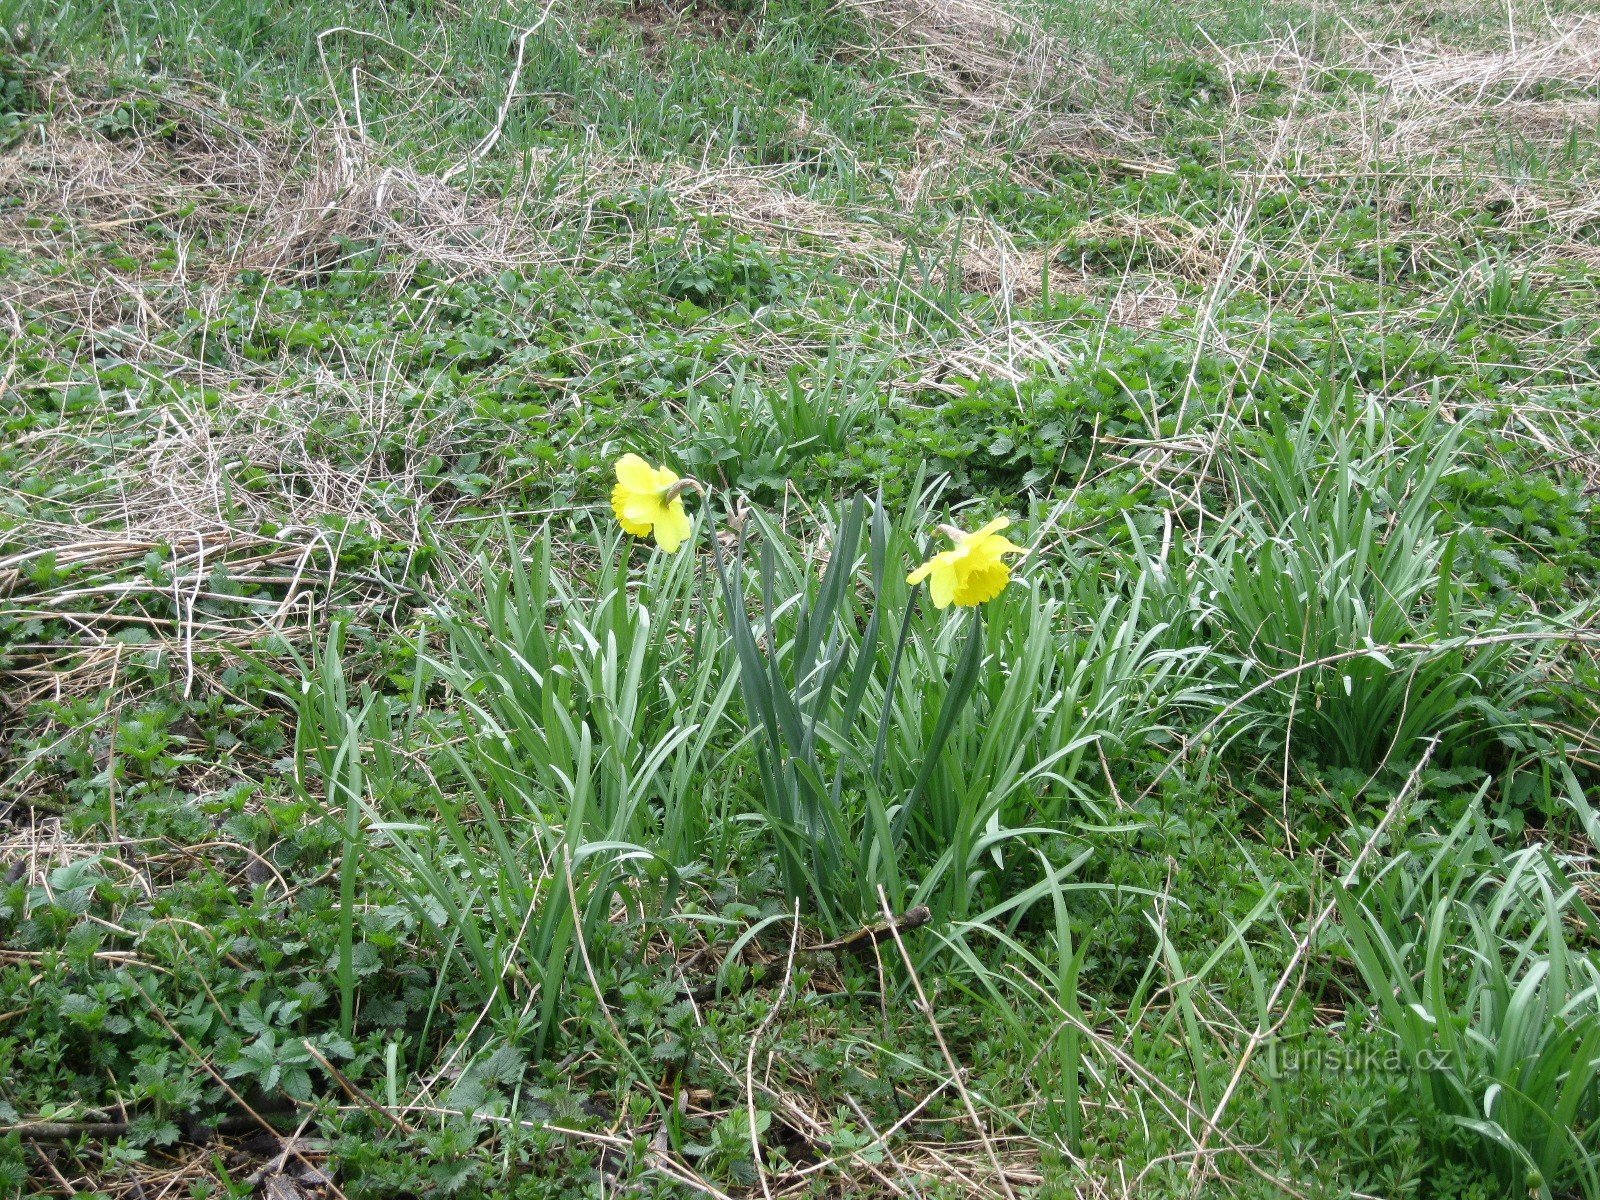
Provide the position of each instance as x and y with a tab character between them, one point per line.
359	778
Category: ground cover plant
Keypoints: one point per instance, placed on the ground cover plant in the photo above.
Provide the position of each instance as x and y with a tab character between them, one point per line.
826	597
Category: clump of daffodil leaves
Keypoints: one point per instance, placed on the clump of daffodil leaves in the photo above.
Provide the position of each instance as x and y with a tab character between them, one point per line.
649	500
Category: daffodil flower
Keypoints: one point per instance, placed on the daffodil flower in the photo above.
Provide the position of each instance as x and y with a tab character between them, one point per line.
974	571
650	500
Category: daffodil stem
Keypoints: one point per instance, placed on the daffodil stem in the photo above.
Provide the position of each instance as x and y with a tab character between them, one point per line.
881	747
684	485
957	693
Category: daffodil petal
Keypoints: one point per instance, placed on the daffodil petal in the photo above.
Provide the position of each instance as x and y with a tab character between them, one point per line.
993	527
635	474
647	509
985	554
944	586
673	527
623	503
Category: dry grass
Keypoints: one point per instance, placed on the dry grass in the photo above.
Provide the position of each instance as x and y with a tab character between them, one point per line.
244	199
247	203
414	215
1006	79
186	164
1440	136
1566	54
170	484
1430	108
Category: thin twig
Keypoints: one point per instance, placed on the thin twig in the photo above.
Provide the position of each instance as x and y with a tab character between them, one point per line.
353	1091
493	136
944	1049
750	1057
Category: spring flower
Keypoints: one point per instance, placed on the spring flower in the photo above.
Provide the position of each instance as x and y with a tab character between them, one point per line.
974	571
650	500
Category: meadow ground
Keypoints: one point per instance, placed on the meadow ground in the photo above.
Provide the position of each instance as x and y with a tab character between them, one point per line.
378	819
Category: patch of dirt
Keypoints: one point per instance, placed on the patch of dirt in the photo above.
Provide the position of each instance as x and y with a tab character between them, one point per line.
661	22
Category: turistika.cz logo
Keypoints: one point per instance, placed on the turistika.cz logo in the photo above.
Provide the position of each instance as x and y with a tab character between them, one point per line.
1287	1057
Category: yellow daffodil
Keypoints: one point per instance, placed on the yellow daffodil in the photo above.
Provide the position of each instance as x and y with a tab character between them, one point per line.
974	571
650	500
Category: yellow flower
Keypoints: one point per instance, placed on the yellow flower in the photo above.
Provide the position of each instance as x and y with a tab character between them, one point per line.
650	499
974	571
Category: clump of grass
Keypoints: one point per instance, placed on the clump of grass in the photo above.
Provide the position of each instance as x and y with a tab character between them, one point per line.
905	748
620	696
1485	977
1336	588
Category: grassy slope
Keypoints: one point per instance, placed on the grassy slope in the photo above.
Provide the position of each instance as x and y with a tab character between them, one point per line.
280	345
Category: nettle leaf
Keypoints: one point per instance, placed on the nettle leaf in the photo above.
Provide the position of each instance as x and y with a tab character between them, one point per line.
470	1094
366	959
681	1015
260	1054
296	1083
82	1010
505	1065
252	1018
82	941
150	1130
310	994
196	1022
733	1131
667	1049
452	1177
337	1047
71	887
